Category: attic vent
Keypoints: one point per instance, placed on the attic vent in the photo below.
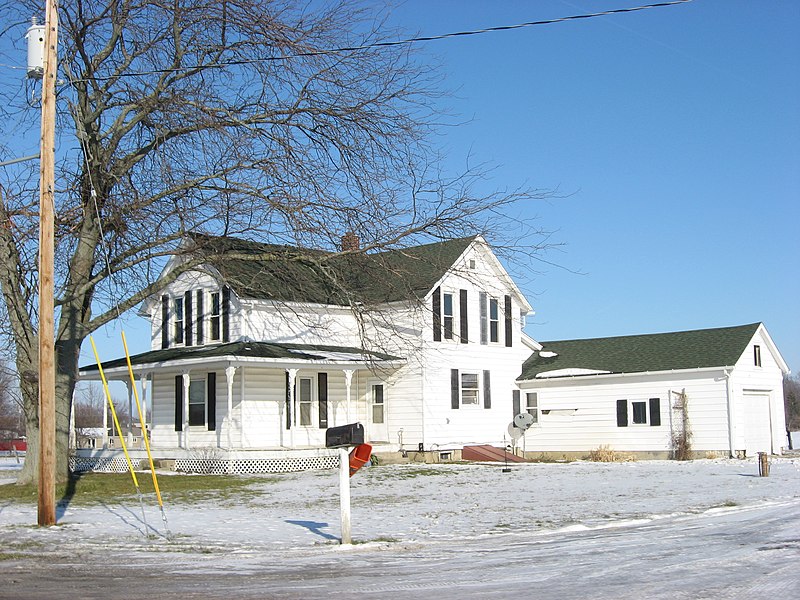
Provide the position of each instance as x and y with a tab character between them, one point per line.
547	354
471	263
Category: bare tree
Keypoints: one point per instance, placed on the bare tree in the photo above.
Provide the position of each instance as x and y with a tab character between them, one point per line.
222	117
791	399
12	425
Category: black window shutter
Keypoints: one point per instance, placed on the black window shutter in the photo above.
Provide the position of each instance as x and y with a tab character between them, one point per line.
655	412
483	303
288	404
187	318
164	322
515	402
226	310
487	390
622	413
437	314
178	402
211	401
199	319
509	321
462	313
322	394
455	396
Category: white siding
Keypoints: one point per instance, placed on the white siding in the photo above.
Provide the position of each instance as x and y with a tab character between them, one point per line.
583	414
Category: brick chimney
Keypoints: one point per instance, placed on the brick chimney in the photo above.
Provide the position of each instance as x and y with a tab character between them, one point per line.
350	242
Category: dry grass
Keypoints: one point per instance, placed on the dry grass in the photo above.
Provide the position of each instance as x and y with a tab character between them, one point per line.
606	453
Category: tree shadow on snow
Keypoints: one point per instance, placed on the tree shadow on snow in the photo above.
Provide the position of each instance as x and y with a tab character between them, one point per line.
69	493
315	528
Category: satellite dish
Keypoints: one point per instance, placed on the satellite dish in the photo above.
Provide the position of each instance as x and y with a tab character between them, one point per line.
515	432
523	421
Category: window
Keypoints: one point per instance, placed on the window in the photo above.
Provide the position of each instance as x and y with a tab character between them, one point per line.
178	312
757	355
447	301
532	405
378	404
494	320
642	412
214	317
469	389
197	402
472	264
639	413
304	393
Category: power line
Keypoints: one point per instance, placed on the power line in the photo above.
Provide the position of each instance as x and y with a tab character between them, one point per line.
387	44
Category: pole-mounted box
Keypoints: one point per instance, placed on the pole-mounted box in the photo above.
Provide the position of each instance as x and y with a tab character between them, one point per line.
35	37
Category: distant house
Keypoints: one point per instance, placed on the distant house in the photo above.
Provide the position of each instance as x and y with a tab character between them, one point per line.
263	347
634	393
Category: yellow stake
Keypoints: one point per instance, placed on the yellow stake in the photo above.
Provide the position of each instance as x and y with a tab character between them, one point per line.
141	421
114	415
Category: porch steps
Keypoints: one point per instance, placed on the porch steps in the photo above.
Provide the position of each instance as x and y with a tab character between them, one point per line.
486	453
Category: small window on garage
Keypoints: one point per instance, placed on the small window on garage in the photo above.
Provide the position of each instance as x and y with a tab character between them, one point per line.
757	355
639	413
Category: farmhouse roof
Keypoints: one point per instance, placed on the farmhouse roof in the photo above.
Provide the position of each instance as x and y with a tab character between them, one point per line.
292	274
702	348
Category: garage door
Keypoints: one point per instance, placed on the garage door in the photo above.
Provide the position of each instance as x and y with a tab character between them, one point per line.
757	430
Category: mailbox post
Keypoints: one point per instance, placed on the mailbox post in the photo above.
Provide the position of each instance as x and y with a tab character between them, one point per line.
343	437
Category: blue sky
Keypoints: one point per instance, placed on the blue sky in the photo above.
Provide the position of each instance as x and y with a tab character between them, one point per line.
673	135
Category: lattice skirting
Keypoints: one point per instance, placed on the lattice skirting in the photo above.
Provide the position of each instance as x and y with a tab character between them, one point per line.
117	464
212	466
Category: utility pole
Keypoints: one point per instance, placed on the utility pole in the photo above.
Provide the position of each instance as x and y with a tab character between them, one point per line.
47	373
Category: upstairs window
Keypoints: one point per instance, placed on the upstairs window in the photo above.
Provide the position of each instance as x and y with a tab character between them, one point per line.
757	355
447	313
177	311
214	317
494	320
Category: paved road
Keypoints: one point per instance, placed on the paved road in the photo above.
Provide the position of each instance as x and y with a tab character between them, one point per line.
729	554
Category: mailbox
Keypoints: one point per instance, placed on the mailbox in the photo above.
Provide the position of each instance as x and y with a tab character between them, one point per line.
351	434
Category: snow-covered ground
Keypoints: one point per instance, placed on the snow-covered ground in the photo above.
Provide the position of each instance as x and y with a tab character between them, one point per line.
620	530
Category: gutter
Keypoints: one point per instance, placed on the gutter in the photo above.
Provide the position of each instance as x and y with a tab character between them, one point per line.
631	374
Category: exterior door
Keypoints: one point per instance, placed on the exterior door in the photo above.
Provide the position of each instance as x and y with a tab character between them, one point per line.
758	431
378	430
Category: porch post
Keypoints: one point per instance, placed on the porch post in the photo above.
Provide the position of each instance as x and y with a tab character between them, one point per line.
143	385
292	376
105	424
229	373
129	387
348	381
186	381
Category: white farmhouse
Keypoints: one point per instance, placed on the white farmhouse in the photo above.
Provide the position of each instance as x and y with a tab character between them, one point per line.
261	348
258	349
639	394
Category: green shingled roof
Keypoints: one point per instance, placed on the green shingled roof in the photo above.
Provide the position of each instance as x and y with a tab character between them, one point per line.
701	348
291	274
299	352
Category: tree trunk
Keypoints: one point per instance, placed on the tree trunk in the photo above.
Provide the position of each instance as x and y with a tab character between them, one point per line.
66	370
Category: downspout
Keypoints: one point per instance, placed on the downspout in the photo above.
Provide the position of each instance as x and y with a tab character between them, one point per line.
729	399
